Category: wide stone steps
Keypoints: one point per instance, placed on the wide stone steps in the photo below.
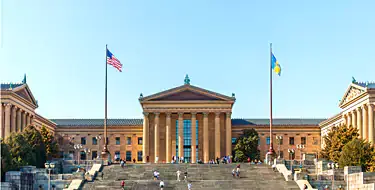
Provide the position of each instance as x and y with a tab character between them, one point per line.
200	176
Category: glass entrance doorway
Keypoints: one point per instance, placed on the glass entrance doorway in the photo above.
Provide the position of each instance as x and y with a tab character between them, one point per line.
187	139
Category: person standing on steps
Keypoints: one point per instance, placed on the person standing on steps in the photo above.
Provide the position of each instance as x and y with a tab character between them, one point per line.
185	175
161	185
123	184
178	175
148	159
102	175
238	170
189	186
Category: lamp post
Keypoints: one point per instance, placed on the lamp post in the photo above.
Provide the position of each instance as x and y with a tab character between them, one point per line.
87	152
98	138
77	147
333	166
279	139
291	152
300	147
49	167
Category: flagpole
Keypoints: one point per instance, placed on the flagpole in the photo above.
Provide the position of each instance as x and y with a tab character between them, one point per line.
271	143
105	105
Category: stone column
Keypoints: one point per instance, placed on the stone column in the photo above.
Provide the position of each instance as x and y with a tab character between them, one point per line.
28	119
228	135
24	121
217	135
180	135
193	138
7	120
359	122
371	123
349	122
364	122
19	122
354	119
156	137
344	119
145	140
206	146
168	139
2	121
13	121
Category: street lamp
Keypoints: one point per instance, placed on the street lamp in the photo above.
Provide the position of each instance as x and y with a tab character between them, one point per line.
49	167
300	147
279	139
77	147
98	138
333	166
291	152
87	152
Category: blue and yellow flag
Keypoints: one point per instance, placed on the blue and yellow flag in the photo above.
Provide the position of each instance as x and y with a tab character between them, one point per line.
275	65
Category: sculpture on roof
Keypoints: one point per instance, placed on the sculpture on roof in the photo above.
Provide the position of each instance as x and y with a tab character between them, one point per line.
353	80
233	95
24	79
10	86
187	80
141	96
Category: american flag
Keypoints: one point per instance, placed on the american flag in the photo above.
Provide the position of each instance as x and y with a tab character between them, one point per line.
112	60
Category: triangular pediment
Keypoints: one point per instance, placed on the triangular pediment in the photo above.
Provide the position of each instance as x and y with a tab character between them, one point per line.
351	93
187	93
24	92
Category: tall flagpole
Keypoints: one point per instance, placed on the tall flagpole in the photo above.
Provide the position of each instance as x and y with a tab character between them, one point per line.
105	103
271	143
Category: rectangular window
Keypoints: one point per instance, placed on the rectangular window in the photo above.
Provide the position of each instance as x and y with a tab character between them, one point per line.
280	141
268	140
259	141
291	140
281	154
140	154
94	155
234	140
83	140
117	140
140	141
315	141
94	141
128	156
128	140
117	155
303	140
83	155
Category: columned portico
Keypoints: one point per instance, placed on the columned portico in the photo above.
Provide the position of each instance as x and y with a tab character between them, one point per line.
156	138
206	144
193	138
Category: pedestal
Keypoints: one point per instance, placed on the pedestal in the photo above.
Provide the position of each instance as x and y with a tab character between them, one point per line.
106	157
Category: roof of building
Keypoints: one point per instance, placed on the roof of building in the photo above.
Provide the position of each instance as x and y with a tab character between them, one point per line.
7	86
365	84
137	122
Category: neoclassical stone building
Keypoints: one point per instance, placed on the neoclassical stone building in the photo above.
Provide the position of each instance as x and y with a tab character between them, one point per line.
184	121
357	106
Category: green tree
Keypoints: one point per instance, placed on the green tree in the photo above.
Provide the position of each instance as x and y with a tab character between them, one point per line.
336	139
20	150
34	138
356	153
247	146
50	142
6	159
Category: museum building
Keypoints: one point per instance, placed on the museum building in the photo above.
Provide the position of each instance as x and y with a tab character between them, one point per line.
187	121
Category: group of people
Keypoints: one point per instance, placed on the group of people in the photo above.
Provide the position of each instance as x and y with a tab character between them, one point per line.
156	175
176	159
255	161
224	160
236	171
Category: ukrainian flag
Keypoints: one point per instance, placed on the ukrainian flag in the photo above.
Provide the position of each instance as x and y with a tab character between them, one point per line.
275	65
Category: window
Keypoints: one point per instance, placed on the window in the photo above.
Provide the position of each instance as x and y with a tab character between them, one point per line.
280	141
258	141
117	140
267	140
303	140
94	155
128	156
291	140
234	140
117	155
94	141
128	140
187	139
83	155
83	140
140	141
281	154
315	141
140	154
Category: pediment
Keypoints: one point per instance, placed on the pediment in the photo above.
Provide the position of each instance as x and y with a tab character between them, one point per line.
24	92
351	93
187	93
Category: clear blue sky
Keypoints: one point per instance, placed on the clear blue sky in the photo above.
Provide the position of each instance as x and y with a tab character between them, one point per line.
222	45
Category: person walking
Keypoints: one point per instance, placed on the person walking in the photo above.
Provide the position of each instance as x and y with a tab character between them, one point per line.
123	184
178	175
189	186
238	170
161	185
185	175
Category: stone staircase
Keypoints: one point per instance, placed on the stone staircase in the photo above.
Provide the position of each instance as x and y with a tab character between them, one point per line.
201	176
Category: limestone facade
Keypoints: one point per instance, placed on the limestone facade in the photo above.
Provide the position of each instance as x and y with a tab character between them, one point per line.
357	110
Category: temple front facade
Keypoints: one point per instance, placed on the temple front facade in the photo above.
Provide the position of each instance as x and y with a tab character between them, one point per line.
186	121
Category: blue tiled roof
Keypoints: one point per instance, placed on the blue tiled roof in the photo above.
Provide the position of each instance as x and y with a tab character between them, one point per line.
138	122
366	84
97	122
276	121
7	86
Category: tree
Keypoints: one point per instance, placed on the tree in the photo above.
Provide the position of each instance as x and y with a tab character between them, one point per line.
247	146
50	142
357	153
336	139
34	138
6	159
